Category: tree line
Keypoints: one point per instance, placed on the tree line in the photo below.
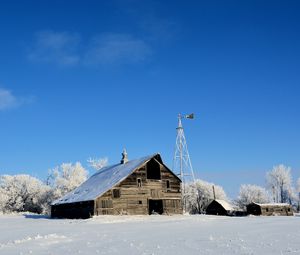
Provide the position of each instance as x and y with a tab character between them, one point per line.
20	193
24	193
279	188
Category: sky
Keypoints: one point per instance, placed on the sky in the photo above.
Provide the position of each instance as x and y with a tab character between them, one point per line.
82	79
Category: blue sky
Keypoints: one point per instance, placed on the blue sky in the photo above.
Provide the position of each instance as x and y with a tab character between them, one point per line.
84	79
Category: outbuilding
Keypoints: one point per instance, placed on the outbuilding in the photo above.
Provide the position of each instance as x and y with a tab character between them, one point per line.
279	209
136	187
219	207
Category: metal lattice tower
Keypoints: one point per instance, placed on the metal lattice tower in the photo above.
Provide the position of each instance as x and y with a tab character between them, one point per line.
182	163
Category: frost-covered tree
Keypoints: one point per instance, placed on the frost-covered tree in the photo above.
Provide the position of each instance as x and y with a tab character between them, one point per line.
279	182
3	200
252	193
298	195
22	193
198	195
97	163
65	178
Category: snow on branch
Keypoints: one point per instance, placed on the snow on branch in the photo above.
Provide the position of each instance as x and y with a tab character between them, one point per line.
279	182
97	163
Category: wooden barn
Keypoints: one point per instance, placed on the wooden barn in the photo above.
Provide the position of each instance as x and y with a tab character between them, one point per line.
270	209
136	187
220	207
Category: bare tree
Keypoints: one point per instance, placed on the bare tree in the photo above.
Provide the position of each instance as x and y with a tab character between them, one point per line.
279	181
97	163
298	194
198	195
66	177
251	193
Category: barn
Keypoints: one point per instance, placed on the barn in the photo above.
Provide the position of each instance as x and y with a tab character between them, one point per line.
270	209
219	207
136	187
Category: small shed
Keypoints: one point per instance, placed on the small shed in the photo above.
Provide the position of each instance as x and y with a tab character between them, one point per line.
274	209
220	207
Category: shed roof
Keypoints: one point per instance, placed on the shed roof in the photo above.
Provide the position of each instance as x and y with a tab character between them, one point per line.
271	204
227	206
105	179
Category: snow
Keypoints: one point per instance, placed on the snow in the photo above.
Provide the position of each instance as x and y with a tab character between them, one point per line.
273	204
182	234
225	204
102	181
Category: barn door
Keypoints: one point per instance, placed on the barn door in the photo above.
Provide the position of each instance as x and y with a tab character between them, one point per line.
156	206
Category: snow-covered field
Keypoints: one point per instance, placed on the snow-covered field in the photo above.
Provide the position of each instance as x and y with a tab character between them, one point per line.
32	234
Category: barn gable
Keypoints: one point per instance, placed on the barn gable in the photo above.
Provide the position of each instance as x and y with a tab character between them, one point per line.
106	179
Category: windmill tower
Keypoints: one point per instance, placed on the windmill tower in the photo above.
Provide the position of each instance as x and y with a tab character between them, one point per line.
182	163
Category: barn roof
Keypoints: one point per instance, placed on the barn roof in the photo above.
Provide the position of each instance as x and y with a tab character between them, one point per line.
225	205
104	180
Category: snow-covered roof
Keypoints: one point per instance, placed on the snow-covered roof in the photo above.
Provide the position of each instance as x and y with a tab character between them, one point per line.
104	180
225	204
272	204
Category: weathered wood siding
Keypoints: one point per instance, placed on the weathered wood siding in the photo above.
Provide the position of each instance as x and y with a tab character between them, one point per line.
134	195
276	210
270	210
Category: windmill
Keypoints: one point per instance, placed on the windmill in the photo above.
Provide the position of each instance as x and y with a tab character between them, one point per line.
182	162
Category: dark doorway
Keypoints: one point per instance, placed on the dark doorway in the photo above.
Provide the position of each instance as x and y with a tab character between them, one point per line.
153	170
253	209
156	206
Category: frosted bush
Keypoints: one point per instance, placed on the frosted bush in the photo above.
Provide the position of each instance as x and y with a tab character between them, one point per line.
198	195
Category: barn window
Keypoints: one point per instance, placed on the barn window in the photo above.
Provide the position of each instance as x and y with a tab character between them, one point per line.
139	182
140	202
116	193
289	209
153	170
267	209
168	184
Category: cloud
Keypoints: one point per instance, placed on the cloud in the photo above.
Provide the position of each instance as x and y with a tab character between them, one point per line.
8	100
116	49
147	18
60	48
66	49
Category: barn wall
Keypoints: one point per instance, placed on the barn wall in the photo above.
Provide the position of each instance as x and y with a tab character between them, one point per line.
276	210
80	210
269	210
133	199
215	208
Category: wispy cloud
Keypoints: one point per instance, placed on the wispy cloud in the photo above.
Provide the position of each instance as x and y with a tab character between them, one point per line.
148	31
147	19
116	49
66	49
8	100
60	48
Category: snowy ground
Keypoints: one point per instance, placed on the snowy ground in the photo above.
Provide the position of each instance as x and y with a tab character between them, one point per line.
32	234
